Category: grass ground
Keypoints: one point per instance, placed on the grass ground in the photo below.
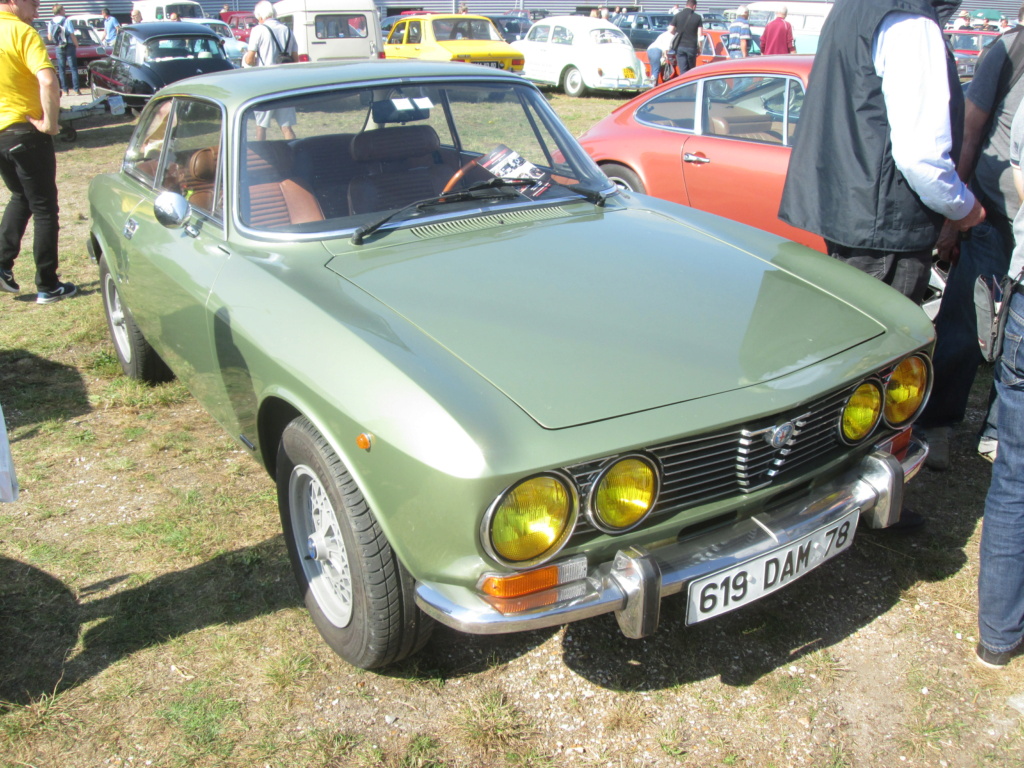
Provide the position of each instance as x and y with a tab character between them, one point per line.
148	615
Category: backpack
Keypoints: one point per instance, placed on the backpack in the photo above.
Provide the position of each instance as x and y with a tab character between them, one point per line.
59	35
283	56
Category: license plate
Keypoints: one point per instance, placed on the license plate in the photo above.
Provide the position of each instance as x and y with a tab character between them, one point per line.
734	587
494	64
628	73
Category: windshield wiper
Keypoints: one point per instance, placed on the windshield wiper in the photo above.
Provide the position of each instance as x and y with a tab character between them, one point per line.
592	195
484	190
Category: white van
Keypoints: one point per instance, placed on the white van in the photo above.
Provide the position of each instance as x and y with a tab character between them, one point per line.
327	30
161	10
806	16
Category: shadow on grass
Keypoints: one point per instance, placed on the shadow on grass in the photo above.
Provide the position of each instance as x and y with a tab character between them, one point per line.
35	390
40	618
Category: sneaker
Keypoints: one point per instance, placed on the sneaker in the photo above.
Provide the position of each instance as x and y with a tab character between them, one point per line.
938	447
995	659
62	291
987	448
7	281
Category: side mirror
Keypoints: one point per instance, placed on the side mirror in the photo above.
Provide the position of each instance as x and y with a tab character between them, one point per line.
171	209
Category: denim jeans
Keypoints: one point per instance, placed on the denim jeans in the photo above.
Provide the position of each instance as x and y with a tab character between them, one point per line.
28	166
67	54
1001	576
957	356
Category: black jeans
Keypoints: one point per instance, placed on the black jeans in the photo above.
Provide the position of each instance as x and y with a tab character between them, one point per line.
907	272
28	166
686	59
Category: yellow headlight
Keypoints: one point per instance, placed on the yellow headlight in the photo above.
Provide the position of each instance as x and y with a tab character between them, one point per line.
905	391
624	494
533	519
861	412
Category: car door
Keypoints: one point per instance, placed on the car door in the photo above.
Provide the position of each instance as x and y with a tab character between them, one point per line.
170	272
536	49
735	165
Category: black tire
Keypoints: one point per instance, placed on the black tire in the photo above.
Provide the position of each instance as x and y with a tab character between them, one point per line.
359	596
572	83
623	177
138	359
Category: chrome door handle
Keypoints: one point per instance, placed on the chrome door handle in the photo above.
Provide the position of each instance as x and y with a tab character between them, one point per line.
689	157
129	228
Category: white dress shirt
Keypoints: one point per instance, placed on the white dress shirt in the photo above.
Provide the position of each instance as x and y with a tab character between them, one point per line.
910	56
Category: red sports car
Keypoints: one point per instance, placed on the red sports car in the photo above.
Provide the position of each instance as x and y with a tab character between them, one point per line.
717	138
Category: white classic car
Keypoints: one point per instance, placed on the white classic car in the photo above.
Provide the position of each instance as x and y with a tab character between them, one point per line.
579	54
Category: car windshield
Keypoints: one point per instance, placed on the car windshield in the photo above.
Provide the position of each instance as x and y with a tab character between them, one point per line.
606	35
185	47
464	29
355	155
222	29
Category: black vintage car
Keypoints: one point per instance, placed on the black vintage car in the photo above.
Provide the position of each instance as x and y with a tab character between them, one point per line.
512	28
643	28
148	56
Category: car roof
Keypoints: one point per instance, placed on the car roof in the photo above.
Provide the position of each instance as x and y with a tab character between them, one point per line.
439	16
783	64
237	86
149	29
577	22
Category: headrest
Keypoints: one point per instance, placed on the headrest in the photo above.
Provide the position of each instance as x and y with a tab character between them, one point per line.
396	143
203	165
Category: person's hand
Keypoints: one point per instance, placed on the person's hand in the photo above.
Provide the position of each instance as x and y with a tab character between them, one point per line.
972	219
948	244
40	125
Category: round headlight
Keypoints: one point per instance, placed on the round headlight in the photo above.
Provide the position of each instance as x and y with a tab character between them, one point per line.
861	412
623	494
532	520
905	391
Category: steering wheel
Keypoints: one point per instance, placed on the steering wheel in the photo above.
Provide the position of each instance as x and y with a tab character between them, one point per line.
457	176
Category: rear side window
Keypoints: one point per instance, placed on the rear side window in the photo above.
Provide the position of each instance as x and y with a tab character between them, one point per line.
334	26
539	33
673	109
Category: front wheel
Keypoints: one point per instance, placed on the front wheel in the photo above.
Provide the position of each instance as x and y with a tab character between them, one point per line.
573	83
623	177
359	596
138	359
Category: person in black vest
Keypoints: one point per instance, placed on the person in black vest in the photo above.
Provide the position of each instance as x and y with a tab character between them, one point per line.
686	26
880	129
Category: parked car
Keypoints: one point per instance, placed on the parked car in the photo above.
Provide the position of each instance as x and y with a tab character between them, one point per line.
452	37
579	54
150	55
967	47
486	401
714	21
512	28
241	23
233	47
714	46
643	28
717	138
91	24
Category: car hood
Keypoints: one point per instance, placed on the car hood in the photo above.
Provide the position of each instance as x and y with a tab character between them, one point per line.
589	317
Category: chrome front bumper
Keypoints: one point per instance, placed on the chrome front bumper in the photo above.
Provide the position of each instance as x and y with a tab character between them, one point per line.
634	582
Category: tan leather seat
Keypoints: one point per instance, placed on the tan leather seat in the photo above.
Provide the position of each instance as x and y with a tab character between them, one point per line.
202	174
401	164
271	199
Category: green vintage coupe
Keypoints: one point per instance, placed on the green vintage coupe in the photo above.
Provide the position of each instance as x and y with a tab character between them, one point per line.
494	391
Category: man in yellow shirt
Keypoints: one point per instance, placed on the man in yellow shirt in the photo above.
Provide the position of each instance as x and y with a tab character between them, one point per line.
29	109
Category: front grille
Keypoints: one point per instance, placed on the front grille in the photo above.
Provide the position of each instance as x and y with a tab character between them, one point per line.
737	460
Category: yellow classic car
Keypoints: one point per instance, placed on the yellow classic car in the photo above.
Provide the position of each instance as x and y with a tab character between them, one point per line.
443	37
